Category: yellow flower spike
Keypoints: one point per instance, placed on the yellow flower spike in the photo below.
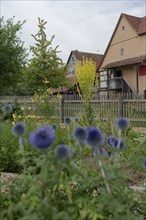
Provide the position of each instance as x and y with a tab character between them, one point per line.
14	116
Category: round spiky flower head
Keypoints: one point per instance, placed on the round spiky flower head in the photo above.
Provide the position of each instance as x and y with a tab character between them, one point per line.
54	126
122	123
110	140
119	143
63	151
76	119
7	108
145	163
94	137
80	134
67	120
19	129
42	138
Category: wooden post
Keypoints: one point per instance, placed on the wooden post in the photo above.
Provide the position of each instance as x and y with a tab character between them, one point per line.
120	106
137	79
108	78
62	110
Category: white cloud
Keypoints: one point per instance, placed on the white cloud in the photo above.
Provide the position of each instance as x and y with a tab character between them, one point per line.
82	25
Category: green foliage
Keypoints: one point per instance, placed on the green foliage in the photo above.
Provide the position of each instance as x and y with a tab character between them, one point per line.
12	55
16	109
45	64
87	80
88	117
9	160
135	149
49	188
71	190
86	77
46	105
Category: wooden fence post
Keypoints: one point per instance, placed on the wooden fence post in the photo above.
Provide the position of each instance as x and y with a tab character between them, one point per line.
120	106
62	110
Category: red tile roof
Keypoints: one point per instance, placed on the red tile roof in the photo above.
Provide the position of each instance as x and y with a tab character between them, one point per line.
130	61
95	57
72	79
138	24
60	89
142	26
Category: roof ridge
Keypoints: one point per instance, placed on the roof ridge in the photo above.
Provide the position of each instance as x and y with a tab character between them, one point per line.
131	16
86	52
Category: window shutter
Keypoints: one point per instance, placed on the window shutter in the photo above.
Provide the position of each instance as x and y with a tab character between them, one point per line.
142	70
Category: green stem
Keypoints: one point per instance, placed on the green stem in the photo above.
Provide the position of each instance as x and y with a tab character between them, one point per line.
68	130
104	176
22	152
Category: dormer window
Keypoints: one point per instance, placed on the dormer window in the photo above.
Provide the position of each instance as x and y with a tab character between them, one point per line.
123	28
122	51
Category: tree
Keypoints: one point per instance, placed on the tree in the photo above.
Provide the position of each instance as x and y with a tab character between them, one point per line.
12	55
87	79
45	64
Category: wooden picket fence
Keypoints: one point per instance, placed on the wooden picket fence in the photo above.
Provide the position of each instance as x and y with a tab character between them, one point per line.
134	109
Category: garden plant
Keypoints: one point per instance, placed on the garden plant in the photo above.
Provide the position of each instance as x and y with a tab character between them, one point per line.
71	171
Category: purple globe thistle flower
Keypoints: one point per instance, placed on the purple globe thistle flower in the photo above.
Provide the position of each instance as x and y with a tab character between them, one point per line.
42	138
67	120
94	137
54	126
122	123
110	140
19	129
63	151
80	134
145	163
7	108
77	119
120	142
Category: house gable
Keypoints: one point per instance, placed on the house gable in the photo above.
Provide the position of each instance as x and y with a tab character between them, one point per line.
124	32
76	56
71	63
127	41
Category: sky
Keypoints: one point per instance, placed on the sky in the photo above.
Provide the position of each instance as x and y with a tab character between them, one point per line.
84	25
